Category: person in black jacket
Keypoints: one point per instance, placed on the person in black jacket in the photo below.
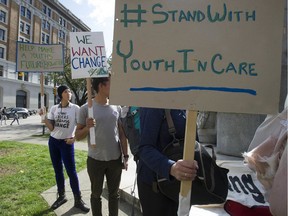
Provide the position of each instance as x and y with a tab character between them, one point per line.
154	137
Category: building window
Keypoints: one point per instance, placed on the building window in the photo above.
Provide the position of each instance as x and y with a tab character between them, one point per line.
2	16
2	34
23	76
22	26
45	38
25	12
62	22
4	2
2	50
46	10
20	75
49	12
26	76
28	14
45	25
27	29
30	2
1	71
62	34
74	29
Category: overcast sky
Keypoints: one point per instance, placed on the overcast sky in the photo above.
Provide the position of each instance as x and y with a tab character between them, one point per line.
97	14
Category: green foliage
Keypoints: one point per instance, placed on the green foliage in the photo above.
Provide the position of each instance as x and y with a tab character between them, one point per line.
25	172
77	86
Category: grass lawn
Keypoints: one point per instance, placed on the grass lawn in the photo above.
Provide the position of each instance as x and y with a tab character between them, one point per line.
25	172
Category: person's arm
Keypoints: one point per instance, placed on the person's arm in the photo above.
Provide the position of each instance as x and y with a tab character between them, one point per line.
151	121
83	130
123	139
49	124
123	143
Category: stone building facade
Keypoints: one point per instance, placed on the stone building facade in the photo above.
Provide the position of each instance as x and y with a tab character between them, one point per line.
31	21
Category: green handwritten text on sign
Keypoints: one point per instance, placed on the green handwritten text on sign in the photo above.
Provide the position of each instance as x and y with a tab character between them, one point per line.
202	55
39	57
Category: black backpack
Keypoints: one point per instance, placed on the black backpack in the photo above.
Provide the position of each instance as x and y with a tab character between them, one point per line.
131	132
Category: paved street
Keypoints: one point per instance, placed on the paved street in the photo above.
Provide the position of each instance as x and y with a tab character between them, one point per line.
33	126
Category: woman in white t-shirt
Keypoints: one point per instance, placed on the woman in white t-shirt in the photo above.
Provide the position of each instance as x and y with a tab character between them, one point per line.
61	121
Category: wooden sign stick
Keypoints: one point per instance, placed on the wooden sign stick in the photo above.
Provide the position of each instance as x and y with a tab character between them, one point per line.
188	154
90	110
42	104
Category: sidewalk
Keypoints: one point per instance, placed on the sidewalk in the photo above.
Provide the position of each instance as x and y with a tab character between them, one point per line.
126	186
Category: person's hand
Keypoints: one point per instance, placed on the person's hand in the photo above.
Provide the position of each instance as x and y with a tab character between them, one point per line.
184	170
70	140
125	161
42	111
125	166
90	122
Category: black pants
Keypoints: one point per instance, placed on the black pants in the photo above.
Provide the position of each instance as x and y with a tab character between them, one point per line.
155	204
97	170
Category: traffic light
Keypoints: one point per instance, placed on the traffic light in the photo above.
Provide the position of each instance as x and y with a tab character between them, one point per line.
54	91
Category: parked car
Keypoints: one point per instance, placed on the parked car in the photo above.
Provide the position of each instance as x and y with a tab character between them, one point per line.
32	112
22	112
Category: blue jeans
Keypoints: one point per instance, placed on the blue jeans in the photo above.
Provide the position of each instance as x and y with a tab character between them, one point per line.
62	153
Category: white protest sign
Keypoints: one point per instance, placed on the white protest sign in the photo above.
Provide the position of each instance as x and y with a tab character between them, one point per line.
39	57
244	187
88	59
88	55
205	55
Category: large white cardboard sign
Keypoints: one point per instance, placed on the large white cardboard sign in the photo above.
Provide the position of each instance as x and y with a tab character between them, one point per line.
198	55
88	55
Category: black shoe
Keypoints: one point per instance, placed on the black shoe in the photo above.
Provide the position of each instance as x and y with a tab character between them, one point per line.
60	201
79	203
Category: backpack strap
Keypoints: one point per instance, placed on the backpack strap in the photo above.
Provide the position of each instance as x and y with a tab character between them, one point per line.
171	127
170	122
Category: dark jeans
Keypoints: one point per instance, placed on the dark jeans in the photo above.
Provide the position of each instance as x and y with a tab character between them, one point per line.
15	119
62	152
96	171
153	203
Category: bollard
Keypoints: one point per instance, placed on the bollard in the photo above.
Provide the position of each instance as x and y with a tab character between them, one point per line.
43	129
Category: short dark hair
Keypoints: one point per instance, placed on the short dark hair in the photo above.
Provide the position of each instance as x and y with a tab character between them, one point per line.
97	81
